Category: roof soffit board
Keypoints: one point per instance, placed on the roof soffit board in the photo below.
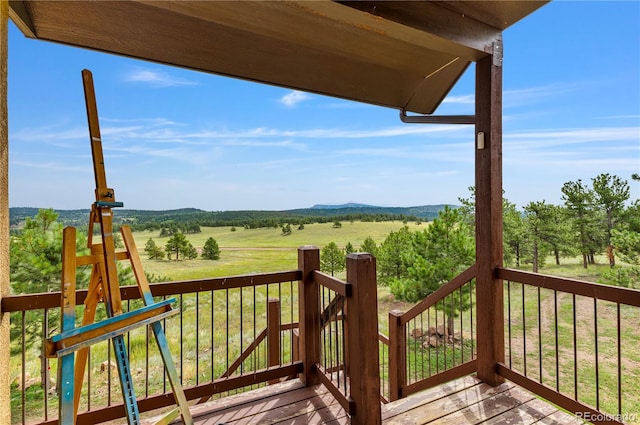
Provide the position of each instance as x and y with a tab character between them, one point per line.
498	14
406	54
425	95
164	36
303	21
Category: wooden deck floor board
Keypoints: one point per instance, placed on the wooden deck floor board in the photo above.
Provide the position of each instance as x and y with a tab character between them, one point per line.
465	401
250	398
288	412
528	413
435	411
488	408
560	418
432	394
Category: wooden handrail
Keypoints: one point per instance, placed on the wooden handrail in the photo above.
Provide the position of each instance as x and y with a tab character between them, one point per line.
245	354
331	311
615	294
45	300
440	293
336	285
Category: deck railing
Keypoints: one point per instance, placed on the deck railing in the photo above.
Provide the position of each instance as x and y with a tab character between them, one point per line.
574	343
435	340
340	328
571	342
231	334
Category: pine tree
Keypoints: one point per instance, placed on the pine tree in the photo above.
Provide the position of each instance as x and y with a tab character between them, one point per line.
176	245
579	200
211	250
153	251
332	259
190	252
348	249
540	230
391	254
370	246
611	192
438	254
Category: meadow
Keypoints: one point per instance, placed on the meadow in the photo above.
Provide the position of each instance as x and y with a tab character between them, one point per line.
261	250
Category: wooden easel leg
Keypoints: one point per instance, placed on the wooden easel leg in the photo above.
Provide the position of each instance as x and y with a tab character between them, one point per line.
66	363
172	373
161	339
90	305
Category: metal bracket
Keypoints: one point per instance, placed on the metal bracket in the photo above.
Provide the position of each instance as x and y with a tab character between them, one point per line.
436	119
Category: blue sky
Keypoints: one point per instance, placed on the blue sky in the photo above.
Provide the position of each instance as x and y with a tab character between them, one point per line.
174	138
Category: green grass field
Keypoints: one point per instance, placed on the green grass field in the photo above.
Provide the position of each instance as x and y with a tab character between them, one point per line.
261	250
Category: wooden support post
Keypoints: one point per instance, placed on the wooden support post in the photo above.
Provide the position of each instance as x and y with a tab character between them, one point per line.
273	334
397	355
489	291
309	313
5	399
362	342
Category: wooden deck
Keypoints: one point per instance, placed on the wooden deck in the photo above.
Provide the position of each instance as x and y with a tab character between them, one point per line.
463	401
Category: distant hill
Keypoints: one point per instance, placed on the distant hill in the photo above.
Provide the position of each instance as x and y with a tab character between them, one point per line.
423	211
140	219
336	207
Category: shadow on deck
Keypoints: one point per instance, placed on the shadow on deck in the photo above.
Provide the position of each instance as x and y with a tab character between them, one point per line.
463	401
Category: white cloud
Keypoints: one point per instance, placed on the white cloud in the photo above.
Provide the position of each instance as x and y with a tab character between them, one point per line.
51	166
293	98
518	97
467	99
156	78
266	144
555	137
618	117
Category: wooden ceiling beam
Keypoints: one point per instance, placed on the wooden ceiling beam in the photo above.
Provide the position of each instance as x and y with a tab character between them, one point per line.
20	16
457	33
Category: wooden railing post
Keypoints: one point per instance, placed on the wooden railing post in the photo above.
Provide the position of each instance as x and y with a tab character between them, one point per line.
309	313
362	343
273	334
397	355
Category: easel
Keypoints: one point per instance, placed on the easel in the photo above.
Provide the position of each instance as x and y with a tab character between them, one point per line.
104	285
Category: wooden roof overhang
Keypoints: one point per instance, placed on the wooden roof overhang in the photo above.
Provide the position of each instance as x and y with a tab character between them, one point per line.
400	54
